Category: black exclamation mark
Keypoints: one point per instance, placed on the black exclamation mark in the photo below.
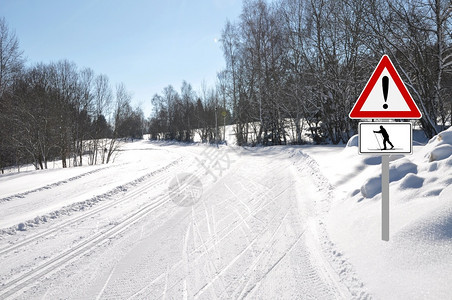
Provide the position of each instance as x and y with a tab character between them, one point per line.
385	82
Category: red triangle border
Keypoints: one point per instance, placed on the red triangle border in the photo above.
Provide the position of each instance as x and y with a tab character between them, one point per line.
413	113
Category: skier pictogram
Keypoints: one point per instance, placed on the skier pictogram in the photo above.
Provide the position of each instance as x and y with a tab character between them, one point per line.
385	135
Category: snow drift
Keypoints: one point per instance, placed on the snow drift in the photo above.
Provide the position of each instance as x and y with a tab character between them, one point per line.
417	261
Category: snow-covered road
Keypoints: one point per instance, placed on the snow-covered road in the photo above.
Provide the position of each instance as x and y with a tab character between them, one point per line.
118	233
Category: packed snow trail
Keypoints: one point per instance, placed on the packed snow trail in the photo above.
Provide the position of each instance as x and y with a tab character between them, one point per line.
252	234
227	246
26	195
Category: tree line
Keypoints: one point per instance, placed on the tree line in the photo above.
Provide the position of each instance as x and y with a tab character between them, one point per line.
180	115
59	111
294	68
299	65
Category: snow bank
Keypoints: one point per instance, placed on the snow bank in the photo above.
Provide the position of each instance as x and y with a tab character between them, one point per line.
353	141
371	187
440	152
439	147
398	169
417	261
412	181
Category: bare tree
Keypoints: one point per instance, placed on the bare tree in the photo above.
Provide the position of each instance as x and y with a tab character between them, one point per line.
83	107
231	50
11	65
417	35
188	97
102	106
305	62
122	109
11	60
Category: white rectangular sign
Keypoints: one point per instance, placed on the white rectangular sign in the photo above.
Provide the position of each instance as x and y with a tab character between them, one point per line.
385	138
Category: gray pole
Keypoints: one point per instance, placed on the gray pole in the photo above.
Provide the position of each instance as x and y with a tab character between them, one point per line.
385	197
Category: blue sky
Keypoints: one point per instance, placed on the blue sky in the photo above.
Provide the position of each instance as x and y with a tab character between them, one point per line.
144	44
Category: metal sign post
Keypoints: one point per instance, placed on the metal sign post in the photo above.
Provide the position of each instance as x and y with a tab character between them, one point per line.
385	197
390	100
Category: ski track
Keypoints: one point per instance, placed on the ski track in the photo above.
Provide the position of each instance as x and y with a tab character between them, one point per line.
265	254
264	251
56	184
141	292
79	206
204	244
246	291
106	283
16	284
265	224
10	288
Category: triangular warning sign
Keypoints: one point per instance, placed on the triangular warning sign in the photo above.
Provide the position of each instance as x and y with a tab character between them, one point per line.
385	96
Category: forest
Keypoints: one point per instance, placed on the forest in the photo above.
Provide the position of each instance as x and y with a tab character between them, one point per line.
294	68
59	111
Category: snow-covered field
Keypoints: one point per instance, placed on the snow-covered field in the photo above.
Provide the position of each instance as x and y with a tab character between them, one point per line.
176	221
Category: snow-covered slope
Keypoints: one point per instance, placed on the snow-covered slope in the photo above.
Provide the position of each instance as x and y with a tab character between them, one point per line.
417	261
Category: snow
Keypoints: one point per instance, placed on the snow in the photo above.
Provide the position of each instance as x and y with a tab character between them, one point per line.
398	170
26	195
417	261
170	220
353	141
440	152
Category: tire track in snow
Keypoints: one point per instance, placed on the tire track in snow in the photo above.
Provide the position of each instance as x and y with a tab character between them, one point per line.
312	276
269	261
272	260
